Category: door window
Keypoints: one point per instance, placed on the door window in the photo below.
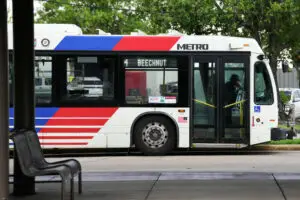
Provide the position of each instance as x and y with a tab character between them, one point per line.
234	93
234	100
263	85
204	93
204	99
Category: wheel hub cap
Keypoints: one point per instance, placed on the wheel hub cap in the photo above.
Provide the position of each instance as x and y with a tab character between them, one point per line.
155	135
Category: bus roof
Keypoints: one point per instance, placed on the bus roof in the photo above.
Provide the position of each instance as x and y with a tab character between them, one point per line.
68	37
47	36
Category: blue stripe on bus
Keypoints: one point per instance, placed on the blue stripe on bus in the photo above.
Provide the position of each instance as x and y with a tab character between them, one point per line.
38	122
39	112
100	43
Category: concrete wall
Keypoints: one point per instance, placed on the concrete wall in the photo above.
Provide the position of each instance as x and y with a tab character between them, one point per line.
287	80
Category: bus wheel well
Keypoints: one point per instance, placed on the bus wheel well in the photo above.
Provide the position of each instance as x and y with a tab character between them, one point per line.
138	119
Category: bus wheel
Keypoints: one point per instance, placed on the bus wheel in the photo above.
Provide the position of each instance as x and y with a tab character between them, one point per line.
155	135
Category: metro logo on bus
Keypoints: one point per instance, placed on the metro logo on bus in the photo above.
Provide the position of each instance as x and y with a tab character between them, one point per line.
192	47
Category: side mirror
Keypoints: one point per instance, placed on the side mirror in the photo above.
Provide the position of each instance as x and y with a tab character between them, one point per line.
285	66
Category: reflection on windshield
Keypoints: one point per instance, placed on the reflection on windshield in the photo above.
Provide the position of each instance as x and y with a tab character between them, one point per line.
91	82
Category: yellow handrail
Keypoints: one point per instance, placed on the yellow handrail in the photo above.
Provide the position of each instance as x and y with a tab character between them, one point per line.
232	104
241	114
204	103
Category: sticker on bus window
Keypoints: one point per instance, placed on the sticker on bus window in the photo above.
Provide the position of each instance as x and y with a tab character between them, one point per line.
257	109
162	99
156	99
170	99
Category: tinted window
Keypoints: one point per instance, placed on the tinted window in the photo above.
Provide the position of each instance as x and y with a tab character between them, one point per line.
263	85
48	81
42	73
151	80
89	78
38	81
95	83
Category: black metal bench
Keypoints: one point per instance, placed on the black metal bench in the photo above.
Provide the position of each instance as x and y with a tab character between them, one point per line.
40	161
33	163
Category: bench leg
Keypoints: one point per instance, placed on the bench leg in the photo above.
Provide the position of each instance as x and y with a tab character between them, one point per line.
67	194
62	189
72	188
80	182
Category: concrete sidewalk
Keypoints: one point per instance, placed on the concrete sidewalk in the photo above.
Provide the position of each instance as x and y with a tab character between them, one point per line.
177	186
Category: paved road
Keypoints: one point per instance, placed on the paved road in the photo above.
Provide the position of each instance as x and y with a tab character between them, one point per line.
177	186
229	176
275	162
175	190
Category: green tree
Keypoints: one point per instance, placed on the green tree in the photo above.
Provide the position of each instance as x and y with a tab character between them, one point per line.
273	23
187	16
113	16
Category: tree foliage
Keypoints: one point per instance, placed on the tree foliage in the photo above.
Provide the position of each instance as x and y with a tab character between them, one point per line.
187	16
113	16
275	24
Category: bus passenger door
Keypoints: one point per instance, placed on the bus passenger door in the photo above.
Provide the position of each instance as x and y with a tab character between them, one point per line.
220	103
204	101
234	90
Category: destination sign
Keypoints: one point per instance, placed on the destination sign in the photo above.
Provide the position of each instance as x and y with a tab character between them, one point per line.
150	62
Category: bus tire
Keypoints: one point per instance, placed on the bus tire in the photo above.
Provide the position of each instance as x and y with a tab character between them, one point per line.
155	135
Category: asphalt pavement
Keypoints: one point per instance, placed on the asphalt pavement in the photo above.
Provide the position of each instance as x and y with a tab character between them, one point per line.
269	162
260	175
177	186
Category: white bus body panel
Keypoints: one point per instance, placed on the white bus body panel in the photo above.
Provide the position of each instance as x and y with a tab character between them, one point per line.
262	117
47	36
183	126
116	132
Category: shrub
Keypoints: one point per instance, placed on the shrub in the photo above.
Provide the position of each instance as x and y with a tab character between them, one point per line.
284	98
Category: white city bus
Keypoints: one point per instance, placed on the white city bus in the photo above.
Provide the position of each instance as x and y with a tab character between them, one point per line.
156	92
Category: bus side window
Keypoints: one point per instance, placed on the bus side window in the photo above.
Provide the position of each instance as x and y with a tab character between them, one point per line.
263	85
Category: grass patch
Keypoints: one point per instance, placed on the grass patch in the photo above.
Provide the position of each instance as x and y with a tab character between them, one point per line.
294	141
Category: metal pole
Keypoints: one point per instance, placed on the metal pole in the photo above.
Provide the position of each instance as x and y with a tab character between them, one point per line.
3	103
23	32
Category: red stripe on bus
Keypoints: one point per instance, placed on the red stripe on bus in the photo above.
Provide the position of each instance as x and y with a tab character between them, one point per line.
64	137
65	143
146	43
76	122
69	130
85	112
